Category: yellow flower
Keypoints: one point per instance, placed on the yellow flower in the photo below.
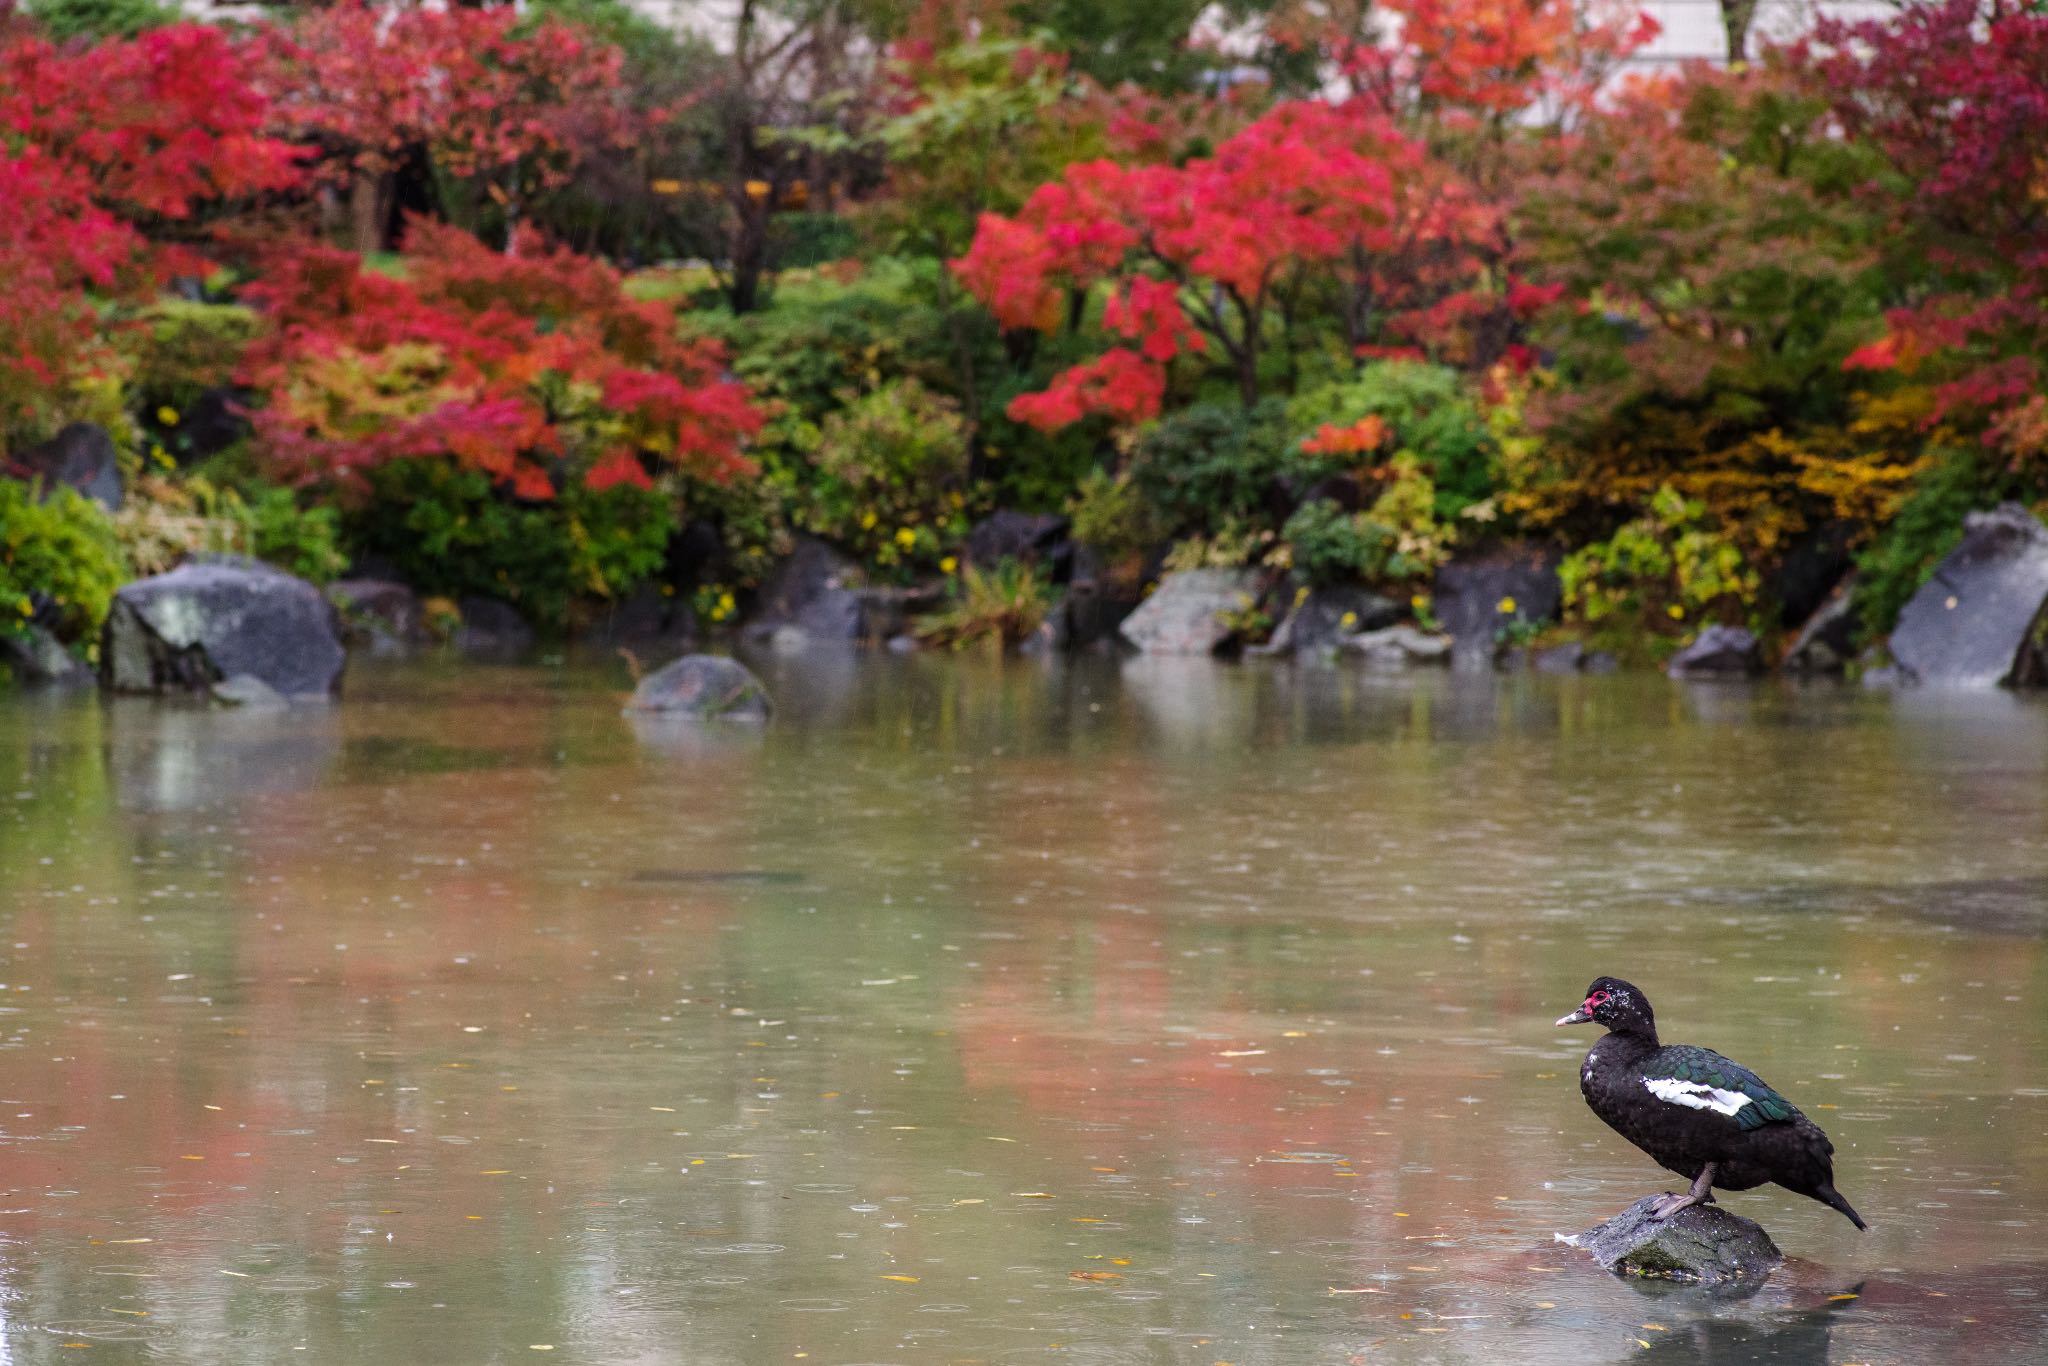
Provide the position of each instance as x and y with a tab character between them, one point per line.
867	520
1348	620
167	415
905	537
161	456
1419	601
948	565
1505	606
1675	612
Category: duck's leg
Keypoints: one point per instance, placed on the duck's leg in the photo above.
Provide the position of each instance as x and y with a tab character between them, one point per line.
1702	1193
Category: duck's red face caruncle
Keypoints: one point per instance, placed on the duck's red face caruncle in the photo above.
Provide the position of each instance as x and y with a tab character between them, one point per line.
1606	1001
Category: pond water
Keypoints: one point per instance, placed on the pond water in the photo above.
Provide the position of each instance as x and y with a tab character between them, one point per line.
974	1012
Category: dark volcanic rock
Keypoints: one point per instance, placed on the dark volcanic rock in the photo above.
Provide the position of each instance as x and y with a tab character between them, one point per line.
1970	624
645	616
381	615
492	630
1809	572
816	590
81	456
1184	615
702	687
1718	652
1325	616
1827	642
1704	1244
36	657
1039	538
1566	658
1478	598
217	616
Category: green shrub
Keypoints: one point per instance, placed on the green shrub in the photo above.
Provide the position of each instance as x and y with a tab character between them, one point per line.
1663	573
888	478
60	563
450	533
1217	464
164	520
1111	515
64	20
1927	525
1431	417
1329	545
1003	607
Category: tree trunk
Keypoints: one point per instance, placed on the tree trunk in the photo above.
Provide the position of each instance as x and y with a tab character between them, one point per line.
1736	17
369	210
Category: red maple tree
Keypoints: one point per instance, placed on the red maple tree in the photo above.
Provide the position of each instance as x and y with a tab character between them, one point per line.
106	150
503	110
532	366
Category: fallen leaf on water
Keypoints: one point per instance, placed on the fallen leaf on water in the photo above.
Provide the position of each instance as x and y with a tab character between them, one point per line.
497	1171
1095	1275
1640	1343
1656	1328
1833	1298
975	1200
1545	1304
1034	1195
1294	1033
1084	1219
240	1275
132	1313
993	1139
122	1242
1242	1053
907	1280
1359	1290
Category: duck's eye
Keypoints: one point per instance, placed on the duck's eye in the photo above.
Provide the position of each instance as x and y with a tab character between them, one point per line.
1598	998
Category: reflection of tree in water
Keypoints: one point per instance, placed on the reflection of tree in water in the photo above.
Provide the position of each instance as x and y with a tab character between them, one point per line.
1798	1336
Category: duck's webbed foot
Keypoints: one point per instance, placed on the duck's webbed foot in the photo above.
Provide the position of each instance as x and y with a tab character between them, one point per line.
1702	1193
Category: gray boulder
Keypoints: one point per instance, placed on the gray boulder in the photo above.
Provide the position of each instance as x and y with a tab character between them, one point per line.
1971	622
1702	1244
1827	642
816	590
1565	658
81	456
36	657
1718	652
217	616
1184	615
1325	616
702	687
1479	597
1398	647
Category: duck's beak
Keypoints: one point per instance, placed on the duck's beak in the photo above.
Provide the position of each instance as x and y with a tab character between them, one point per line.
1578	1016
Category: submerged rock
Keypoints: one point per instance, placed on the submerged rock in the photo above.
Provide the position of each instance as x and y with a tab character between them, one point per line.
1718	652
492	630
214	617
702	687
1702	1244
1397	647
1185	614
1971	623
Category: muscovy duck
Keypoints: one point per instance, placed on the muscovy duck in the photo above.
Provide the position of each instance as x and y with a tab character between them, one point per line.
1712	1121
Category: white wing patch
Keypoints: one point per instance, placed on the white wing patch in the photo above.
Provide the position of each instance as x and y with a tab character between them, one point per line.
1695	1095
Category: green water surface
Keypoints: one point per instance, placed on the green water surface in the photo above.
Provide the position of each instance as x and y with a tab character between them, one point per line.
1160	1012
